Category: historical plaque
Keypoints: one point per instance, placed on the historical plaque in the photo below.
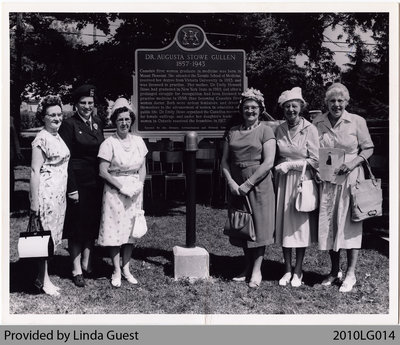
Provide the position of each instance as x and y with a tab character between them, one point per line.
188	85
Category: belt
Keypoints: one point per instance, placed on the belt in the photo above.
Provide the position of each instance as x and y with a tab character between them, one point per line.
246	164
124	173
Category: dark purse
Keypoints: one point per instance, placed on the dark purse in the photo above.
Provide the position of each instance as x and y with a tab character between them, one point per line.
35	242
240	223
366	197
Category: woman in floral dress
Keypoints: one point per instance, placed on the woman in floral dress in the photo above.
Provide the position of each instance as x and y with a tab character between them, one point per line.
122	166
48	184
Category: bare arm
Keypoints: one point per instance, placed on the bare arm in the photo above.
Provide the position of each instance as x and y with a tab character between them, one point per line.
233	186
103	172
142	172
38	159
268	153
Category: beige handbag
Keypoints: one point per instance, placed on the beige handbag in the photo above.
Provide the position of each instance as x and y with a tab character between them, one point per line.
366	197
307	193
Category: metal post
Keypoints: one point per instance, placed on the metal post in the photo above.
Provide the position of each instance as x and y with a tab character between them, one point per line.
191	149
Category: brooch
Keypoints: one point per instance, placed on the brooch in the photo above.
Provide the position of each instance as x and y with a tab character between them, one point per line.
95	126
80	132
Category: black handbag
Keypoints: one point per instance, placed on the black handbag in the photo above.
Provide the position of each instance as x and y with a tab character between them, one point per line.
240	222
366	197
35	242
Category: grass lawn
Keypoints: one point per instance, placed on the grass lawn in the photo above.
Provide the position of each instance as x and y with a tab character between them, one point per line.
158	292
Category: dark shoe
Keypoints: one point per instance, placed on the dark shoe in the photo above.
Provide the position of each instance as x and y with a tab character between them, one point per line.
87	274
38	286
78	280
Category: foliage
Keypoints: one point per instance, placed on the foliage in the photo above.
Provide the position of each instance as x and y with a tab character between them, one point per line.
54	58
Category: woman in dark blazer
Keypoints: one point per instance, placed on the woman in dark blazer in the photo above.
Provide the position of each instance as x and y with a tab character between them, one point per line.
83	134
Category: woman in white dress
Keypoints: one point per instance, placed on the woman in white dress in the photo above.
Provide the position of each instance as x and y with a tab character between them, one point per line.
348	132
48	184
122	166
297	142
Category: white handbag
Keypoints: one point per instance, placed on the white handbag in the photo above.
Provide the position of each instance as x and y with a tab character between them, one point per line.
307	193
35	242
140	225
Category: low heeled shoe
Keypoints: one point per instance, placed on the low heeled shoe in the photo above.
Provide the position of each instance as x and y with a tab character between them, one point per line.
116	280
296	280
285	279
78	280
130	278
347	285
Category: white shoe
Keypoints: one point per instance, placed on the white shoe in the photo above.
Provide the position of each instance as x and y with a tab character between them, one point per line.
347	285
285	279
296	280
51	290
116	280
129	277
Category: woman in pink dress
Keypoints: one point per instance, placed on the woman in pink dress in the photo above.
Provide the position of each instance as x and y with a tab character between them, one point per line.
297	141
248	157
349	132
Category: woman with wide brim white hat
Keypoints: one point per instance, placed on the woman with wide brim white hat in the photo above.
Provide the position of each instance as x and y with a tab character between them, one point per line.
297	142
122	166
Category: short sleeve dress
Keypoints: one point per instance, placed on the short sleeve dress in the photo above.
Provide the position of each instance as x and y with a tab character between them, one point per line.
245	156
119	211
295	229
336	230
52	182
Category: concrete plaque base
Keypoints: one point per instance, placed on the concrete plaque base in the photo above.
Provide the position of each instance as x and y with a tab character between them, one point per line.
191	262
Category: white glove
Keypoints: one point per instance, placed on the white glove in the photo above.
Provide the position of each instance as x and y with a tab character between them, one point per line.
296	165
284	167
130	190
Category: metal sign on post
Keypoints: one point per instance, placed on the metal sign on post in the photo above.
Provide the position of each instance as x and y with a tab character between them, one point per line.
187	86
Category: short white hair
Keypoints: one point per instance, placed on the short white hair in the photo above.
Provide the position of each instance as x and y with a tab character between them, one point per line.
335	89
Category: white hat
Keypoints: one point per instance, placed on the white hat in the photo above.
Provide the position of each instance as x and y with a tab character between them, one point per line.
289	95
120	103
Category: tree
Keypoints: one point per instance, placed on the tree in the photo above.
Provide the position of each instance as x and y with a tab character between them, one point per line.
49	55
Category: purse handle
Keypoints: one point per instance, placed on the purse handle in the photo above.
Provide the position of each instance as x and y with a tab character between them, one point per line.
371	175
303	174
248	204
34	224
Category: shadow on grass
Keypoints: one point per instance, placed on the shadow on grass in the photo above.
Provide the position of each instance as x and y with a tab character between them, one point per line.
227	267
19	202
372	240
147	255
24	271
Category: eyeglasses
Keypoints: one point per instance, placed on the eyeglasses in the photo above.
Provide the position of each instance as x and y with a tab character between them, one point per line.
251	108
54	115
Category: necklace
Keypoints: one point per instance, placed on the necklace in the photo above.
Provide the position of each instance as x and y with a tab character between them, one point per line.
125	143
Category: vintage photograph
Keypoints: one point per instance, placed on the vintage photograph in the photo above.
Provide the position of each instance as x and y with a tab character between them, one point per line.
200	163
